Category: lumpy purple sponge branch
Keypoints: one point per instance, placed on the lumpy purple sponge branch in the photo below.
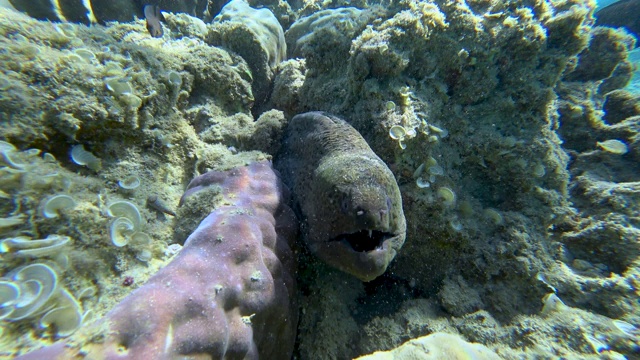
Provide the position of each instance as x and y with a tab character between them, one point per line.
228	294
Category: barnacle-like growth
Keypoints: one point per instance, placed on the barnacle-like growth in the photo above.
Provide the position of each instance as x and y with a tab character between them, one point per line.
87	55
390	106
140	238
9	293
466	208
144	255
539	171
37	282
121	230
397	132
493	216
552	303
418	171
447	195
73	59
126	209
443	133
113	69
129	183
50	207
31	51
455	225
66	29
82	157
174	79
66	316
118	85
626	328
12	221
25	246
172	249
48	157
422	183
34	290
87	292
132	101
32	152
7	156
436	170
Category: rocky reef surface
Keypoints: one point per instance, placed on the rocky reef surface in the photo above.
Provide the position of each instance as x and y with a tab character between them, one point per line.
506	125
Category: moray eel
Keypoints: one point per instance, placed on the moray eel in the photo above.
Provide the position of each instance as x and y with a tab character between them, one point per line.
347	198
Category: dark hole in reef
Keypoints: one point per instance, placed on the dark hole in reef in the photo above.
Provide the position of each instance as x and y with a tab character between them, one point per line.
364	240
385	296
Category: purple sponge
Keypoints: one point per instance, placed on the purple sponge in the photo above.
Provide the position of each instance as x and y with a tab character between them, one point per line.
228	294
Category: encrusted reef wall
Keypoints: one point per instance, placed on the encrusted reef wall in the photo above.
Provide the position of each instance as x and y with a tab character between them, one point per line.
599	123
465	100
103	128
469	89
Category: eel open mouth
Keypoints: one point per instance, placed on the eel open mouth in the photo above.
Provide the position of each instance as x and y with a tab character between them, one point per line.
364	240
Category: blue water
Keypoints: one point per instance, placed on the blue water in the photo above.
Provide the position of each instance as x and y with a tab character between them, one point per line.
634	56
603	3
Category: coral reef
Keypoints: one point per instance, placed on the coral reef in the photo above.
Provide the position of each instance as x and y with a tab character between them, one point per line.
349	200
257	36
598	244
478	108
59	94
191	307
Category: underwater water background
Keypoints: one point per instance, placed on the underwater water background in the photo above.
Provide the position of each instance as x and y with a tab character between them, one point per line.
510	129
634	55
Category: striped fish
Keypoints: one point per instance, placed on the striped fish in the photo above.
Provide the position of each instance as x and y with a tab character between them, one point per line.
100	11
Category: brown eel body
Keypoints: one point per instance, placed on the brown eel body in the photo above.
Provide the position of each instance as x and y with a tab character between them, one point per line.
347	197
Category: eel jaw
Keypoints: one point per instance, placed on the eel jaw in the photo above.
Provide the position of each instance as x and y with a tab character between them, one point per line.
364	254
364	240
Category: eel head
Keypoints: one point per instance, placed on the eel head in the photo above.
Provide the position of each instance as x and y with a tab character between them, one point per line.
363	225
